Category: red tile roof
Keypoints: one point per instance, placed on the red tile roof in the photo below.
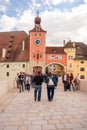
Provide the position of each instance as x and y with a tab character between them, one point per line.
12	42
56	50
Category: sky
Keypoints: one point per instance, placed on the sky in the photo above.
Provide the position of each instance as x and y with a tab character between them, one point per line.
62	19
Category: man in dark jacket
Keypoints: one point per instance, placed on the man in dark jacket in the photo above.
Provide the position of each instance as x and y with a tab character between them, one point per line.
51	84
38	79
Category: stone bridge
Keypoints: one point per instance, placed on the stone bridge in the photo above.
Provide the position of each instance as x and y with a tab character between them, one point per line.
19	111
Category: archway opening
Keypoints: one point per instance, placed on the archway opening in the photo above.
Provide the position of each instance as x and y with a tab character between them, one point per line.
37	69
55	69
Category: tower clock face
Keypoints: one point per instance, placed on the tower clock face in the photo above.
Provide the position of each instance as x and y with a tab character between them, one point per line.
37	41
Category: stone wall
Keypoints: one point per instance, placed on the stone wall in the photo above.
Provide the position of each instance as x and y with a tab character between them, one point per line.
6	86
83	85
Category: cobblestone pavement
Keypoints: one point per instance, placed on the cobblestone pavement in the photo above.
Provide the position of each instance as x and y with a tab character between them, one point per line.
19	111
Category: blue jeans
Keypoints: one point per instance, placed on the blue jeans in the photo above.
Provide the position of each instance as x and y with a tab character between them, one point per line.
50	92
37	92
72	86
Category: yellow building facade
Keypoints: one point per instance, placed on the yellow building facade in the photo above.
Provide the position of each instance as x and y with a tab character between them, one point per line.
76	59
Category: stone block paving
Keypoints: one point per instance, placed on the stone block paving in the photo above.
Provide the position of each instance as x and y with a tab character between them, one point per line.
19	111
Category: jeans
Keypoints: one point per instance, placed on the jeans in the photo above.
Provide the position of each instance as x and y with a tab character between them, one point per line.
50	93
72	86
37	92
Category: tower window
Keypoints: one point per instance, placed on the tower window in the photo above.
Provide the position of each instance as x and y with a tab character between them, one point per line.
7	74
70	57
59	57
70	65
51	57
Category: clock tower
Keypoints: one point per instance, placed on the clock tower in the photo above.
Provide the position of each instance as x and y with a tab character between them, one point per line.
37	47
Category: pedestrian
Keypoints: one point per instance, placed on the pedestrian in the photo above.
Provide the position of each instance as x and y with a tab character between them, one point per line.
17	80
27	82
32	77
72	82
56	77
76	82
21	88
51	83
68	81
64	80
37	80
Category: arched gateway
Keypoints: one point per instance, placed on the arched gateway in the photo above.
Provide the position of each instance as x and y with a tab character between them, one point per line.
37	69
55	68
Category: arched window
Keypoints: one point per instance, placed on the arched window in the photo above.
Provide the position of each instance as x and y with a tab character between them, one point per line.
82	69
82	77
82	62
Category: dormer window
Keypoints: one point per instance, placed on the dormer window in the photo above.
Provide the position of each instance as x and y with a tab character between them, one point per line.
54	50
12	36
77	47
7	66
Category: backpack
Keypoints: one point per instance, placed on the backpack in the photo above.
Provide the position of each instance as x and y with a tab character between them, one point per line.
50	81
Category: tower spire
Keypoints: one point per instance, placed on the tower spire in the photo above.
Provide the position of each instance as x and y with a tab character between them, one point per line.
37	19
37	13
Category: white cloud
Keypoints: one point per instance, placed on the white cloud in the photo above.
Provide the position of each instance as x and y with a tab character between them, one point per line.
2	8
66	25
55	2
4	1
85	1
71	1
59	25
7	23
3	5
26	21
35	5
7	1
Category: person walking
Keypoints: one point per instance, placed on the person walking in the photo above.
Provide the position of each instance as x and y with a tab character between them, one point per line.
37	80
64	80
51	83
20	77
68	81
76	82
17	80
27	82
56	77
72	82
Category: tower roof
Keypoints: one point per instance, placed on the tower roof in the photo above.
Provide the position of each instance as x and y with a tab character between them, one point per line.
37	19
37	27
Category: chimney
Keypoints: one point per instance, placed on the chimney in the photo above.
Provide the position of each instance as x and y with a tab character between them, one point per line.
23	45
64	42
3	53
73	44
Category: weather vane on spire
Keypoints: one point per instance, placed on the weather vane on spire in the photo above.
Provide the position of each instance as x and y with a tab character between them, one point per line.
37	13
